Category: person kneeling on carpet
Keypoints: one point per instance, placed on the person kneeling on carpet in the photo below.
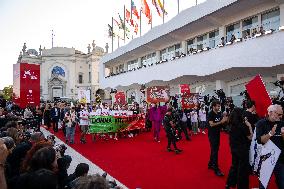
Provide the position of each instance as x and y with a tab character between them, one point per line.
170	130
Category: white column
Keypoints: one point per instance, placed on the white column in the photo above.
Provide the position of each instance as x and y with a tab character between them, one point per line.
222	31
281	6
125	66
139	62
158	54
183	47
259	20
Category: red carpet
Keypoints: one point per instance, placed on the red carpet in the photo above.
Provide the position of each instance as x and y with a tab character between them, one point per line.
141	162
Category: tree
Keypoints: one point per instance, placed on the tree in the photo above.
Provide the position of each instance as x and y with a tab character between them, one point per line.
8	92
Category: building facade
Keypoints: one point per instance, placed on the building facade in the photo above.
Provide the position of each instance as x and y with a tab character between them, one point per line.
64	71
214	45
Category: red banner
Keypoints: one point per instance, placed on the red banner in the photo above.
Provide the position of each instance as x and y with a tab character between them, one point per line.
120	98
258	93
190	102
158	94
26	84
184	89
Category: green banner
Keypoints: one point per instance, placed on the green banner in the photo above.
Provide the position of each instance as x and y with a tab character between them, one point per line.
111	124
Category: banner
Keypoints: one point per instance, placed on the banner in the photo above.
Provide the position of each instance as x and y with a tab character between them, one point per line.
158	94
114	124
84	96
120	98
258	93
27	84
191	101
184	90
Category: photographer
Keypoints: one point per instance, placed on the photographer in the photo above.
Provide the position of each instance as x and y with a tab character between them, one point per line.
170	130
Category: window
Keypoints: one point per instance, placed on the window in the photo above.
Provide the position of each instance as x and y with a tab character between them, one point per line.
164	55
233	29
249	25
178	49
90	77
132	64
202	42
191	45
121	68
171	52
80	79
271	20
214	39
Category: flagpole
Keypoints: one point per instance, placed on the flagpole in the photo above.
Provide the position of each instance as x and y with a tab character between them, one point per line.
112	34
124	25
178	6
164	11
196	2
118	41
140	21
151	20
131	15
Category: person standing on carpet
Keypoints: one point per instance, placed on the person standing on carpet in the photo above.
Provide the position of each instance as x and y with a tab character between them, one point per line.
216	120
84	124
170	130
240	131
156	119
272	128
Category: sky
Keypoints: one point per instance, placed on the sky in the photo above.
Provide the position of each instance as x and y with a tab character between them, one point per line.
76	23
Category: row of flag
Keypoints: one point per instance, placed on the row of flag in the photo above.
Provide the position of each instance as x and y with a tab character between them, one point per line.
124	27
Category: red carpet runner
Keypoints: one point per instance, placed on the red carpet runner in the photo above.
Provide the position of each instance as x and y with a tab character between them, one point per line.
141	162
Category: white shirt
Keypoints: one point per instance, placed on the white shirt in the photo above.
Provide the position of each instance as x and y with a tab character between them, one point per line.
193	116
202	115
84	117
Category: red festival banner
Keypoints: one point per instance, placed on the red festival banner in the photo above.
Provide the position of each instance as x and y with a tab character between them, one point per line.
26	84
184	90
257	92
191	101
120	98
158	94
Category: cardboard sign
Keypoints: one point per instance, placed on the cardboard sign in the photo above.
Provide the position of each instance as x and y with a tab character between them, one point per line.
158	94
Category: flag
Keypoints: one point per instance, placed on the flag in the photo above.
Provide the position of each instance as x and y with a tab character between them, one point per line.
134	10
136	28
127	15
122	24
154	2
258	93
145	9
161	7
110	31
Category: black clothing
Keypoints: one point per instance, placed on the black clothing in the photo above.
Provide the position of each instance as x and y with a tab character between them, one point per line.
214	138
170	131
47	118
252	118
263	127
240	144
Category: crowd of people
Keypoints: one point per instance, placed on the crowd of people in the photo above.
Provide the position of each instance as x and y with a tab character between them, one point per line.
28	154
30	160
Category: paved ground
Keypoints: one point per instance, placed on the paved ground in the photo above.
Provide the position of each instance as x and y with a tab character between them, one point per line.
78	158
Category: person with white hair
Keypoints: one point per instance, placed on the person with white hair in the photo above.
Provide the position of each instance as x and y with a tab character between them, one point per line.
272	128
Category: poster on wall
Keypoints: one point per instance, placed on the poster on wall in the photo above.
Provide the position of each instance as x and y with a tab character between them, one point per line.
84	96
120	98
191	101
27	84
158	94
